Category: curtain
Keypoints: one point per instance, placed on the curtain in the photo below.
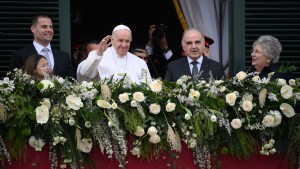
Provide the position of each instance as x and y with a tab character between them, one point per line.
211	18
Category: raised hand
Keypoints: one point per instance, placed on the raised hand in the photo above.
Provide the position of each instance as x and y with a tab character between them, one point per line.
103	45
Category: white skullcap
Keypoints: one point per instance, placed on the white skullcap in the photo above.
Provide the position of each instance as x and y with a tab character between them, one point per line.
120	27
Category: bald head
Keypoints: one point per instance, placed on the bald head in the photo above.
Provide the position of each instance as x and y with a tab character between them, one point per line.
191	30
193	43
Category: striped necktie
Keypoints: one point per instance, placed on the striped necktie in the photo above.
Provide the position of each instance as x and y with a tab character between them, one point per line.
46	51
194	70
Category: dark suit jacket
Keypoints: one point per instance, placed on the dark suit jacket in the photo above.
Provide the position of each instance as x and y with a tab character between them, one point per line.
180	67
272	68
62	61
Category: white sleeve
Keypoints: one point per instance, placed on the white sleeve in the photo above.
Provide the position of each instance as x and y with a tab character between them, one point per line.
88	69
149	49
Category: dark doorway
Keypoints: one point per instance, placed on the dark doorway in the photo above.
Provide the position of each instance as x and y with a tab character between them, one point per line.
96	19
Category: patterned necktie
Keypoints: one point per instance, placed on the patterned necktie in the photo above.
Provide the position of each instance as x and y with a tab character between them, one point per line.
194	69
46	50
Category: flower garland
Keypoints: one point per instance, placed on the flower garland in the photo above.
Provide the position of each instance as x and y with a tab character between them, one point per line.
238	114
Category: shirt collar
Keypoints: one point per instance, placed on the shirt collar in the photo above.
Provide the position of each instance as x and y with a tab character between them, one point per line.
39	47
199	60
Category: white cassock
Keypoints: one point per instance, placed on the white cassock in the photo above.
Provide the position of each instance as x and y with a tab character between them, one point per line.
96	67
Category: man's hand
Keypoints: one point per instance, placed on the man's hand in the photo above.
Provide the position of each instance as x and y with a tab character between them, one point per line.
163	44
103	45
150	38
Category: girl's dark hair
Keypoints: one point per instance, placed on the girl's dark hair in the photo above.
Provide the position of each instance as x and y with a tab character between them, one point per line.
31	64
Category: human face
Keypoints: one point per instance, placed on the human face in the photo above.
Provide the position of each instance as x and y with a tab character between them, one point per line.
193	44
42	69
43	31
206	51
259	59
91	47
141	53
121	41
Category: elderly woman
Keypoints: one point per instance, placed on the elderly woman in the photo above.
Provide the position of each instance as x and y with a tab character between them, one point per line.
265	55
37	66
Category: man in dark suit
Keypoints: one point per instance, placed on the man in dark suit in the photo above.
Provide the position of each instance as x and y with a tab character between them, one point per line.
42	29
195	64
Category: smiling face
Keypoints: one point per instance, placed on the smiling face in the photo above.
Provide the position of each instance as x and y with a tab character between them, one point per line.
42	69
121	41
43	31
259	59
193	44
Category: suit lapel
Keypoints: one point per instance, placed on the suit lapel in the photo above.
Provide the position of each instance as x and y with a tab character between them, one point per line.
204	65
186	67
55	57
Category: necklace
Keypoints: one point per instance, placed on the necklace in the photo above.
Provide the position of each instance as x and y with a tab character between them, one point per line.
114	56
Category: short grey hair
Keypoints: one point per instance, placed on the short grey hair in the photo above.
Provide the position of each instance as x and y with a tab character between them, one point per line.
271	46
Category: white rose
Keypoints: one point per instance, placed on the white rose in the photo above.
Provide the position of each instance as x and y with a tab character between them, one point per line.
247	105
218	82
42	114
277	117
138	96
187	116
281	82
154	108
292	82
71	121
156	86
139	131
47	84
152	131
154	139
74	102
46	102
268	121
103	104
287	110
231	98
241	75
194	94
255	78
87	124
170	107
223	88
114	105
61	80
213	118
123	97
236	123
286	91
109	124
133	103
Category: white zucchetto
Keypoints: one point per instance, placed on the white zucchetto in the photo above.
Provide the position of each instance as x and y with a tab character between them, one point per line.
120	27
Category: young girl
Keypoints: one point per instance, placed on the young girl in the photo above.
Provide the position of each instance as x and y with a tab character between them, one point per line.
37	66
